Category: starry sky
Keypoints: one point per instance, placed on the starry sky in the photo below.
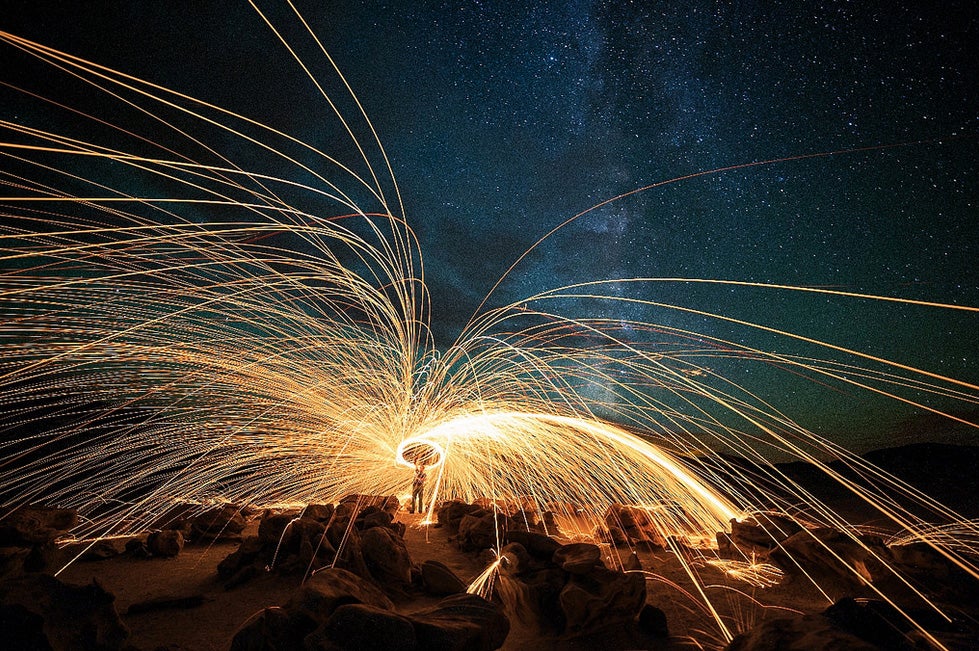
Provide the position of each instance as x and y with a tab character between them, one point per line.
503	119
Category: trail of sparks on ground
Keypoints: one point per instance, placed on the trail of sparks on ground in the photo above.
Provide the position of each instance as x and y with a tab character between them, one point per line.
173	357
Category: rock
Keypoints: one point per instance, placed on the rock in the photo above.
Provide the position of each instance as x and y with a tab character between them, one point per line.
449	514
600	599
439	580
166	544
42	611
318	512
136	548
386	557
578	558
632	563
272	525
377	518
826	550
874	621
387	503
101	550
360	626
249	551
272	629
461	622
764	530
516	559
801	633
331	588
224	522
652	621
35	525
481	530
539	546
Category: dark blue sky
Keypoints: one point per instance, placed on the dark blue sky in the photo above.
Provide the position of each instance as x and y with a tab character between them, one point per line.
503	119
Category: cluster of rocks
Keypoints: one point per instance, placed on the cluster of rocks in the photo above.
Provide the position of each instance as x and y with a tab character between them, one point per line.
850	560
28	535
631	526
38	611
358	535
336	610
561	590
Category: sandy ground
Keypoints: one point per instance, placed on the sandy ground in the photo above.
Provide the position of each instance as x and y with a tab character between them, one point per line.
211	625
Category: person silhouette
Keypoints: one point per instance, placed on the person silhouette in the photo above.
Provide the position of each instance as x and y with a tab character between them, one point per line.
418	489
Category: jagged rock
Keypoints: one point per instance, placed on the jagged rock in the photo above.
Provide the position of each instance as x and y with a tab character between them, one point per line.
40	612
578	558
386	557
33	525
329	589
166	544
224	522
249	551
270	630
439	580
360	626
801	633
601	598
462	622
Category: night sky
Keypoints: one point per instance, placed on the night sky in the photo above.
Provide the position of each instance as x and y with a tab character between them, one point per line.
503	119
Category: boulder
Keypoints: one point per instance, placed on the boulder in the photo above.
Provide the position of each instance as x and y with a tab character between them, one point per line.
462	622
828	551
224	522
318	512
481	530
439	580
166	544
800	633
272	629
449	514
33	525
600	599
361	626
374	518
38	611
272	525
578	558
328	589
386	556
652	622
539	546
